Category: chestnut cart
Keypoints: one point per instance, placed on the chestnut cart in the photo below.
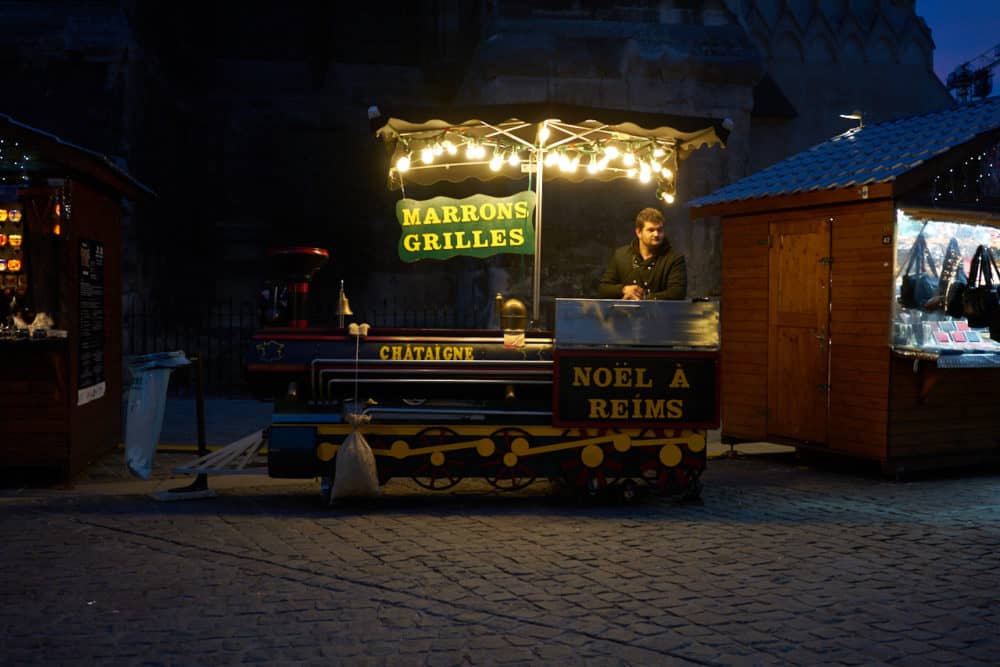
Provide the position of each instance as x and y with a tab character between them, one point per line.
614	397
617	399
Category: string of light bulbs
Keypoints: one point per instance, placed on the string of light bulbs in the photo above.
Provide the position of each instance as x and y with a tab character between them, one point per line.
978	177
643	159
13	162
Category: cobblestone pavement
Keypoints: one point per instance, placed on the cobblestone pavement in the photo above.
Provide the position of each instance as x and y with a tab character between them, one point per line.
783	564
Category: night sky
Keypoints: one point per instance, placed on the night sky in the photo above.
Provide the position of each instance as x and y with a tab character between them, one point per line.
962	31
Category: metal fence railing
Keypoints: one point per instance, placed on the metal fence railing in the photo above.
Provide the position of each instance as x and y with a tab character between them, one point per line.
217	332
220	332
392	312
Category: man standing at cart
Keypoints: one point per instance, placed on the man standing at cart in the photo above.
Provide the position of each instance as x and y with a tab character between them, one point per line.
646	268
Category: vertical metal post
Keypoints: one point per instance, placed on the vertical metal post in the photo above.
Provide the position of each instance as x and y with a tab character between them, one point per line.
340	306
201	481
536	272
199	487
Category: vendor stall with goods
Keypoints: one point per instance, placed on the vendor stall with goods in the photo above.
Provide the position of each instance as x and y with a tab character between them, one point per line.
60	301
859	303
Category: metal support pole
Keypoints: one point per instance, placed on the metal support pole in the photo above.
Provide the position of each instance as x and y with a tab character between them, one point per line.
200	484
536	288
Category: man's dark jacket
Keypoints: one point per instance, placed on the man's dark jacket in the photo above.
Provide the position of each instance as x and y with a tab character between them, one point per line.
663	276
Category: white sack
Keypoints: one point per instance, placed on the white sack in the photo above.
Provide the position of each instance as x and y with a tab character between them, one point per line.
355	475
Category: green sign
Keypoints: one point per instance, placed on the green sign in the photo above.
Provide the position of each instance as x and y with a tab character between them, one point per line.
478	226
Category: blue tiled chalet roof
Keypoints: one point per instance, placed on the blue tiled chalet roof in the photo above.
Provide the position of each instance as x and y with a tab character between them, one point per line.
871	154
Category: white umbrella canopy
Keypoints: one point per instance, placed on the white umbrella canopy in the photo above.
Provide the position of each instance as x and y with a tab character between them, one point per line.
427	145
581	143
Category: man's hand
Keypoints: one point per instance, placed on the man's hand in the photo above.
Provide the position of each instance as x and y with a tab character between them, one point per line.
632	292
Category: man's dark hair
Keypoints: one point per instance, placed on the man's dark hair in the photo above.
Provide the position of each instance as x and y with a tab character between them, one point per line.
647	215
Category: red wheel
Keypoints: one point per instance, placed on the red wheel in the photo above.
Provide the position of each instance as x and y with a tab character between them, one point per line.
681	478
437	473
587	480
509	477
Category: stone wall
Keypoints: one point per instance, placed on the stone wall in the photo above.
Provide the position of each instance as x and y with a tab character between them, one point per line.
252	127
835	57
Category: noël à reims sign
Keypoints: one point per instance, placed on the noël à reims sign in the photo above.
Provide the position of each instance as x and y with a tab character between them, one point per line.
477	226
595	388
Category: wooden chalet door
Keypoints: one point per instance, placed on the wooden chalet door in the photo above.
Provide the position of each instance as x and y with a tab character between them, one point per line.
798	331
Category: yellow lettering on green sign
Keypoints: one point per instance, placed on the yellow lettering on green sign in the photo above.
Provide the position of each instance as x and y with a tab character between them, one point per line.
411	216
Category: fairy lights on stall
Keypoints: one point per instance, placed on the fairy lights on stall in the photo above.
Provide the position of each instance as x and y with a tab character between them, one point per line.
976	179
13	163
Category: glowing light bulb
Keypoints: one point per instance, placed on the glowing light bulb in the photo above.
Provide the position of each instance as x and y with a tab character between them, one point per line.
667	173
543	134
450	147
427	155
480	151
594	166
496	162
611	152
655	166
551	158
629	159
658	152
513	159
470	151
630	173
403	163
644	175
438	149
667	197
564	163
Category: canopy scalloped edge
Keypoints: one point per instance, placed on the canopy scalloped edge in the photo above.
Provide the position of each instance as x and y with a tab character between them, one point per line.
514	127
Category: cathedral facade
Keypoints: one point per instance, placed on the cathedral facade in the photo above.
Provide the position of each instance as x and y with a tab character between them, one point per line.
252	125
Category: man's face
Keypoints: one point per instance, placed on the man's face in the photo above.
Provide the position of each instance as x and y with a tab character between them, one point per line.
651	235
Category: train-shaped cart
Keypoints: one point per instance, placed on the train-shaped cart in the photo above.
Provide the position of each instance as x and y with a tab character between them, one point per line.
614	395
617	399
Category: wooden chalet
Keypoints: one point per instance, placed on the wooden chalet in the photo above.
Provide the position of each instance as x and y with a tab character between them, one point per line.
61	255
817	350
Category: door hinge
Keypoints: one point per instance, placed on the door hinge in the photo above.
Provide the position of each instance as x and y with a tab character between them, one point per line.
826	260
823	387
